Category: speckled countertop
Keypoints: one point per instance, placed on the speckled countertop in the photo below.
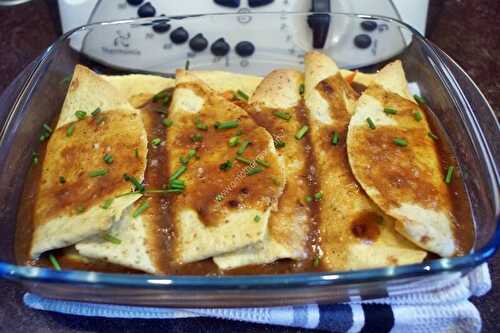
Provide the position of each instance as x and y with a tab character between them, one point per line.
468	30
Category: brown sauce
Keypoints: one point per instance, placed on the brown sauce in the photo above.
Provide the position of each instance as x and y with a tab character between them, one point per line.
365	227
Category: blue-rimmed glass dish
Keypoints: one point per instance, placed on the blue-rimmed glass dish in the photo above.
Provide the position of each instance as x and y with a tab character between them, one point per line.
129	46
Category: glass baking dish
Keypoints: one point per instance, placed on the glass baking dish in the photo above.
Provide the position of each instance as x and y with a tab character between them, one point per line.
280	40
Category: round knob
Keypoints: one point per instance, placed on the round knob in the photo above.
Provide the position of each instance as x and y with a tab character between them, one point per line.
198	43
369	25
134	2
245	49
220	47
161	26
146	10
362	41
179	35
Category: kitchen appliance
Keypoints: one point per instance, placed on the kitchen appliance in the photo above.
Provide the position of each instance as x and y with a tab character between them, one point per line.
467	119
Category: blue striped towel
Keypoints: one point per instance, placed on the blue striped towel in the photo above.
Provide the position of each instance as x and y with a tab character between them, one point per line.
437	307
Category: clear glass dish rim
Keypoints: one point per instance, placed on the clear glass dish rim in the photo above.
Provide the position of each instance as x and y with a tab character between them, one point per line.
40	274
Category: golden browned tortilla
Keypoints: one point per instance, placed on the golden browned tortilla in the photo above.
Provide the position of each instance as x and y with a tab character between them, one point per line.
397	163
222	208
354	232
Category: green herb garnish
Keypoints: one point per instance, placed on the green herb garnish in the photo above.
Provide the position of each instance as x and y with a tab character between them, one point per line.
167	122
197	137
111	239
243	147
390	111
70	130
233	141
449	174
370	122
400	142
106	204
34	158
98	173
318	196
96	112
62	180
309	198
255	170
256	218
418	116
219	197
47	127
241	95
433	136
140	209
279	144
301	132
156	142
265	164
227	124
335	138
177	173
137	185
243	160
54	262
81	115
226	165
420	99
186	65
108	158
283	115
302	89
200	125
316	261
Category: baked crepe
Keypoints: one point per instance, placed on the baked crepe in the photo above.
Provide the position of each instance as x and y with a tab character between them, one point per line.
70	195
219	211
139	241
354	232
405	182
289	224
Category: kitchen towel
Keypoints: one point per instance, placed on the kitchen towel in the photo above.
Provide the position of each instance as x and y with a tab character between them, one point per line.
440	306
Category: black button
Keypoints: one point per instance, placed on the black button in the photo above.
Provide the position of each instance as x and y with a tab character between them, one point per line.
198	43
179	35
161	26
220	47
245	49
362	41
228	3
369	25
134	2
258	3
146	10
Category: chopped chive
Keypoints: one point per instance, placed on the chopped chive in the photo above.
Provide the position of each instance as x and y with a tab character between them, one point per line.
66	79
219	197
141	209
44	136
106	204
233	141
254	170
98	173
169	190
241	95
283	115
243	147
227	124
302	88
136	152
316	261
185	159
156	142
301	132
178	184
54	262
256	218
81	114
400	142
127	193
186	66
62	180
370	122
418	116
318	196
180	170
96	112
80	209
420	99
111	239
34	158
309	198
200	125
243	160
137	185
279	144
390	111
265	164
108	158
335	138
157	97
449	174
70	130
167	122
226	165
47	127
197	137
433	136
